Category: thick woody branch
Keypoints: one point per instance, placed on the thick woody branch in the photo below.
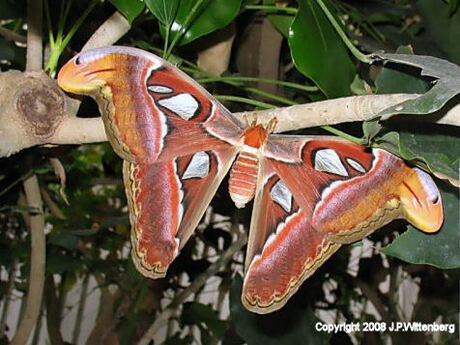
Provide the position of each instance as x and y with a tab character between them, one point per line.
21	128
109	32
76	130
19	131
53	317
341	110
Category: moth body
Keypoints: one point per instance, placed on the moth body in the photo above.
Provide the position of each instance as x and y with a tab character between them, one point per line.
245	169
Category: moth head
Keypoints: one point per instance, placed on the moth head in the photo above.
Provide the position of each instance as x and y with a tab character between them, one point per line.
92	69
421	201
255	136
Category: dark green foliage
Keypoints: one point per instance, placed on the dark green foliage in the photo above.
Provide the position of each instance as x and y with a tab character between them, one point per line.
317	50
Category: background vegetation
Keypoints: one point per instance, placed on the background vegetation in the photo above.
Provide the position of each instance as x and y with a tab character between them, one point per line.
279	53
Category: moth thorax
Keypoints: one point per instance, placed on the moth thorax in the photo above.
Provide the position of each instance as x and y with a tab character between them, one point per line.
243	177
255	136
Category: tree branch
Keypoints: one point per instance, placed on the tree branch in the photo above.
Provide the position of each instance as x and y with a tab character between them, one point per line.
341	110
192	288
70	130
75	130
37	263
53	317
12	36
34	35
109	32
105	316
372	295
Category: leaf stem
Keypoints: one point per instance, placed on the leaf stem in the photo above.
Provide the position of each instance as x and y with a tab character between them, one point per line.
259	80
48	19
355	51
58	45
165	46
343	134
78	23
244	100
270	95
267	8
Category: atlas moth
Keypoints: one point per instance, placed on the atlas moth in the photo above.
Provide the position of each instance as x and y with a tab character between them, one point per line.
312	194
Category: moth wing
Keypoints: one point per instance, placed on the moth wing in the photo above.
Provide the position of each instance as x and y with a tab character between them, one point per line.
315	193
151	110
166	202
283	248
353	190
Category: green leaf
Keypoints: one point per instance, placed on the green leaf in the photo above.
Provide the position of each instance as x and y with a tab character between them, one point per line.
318	52
440	152
130	8
210	16
63	239
370	129
18	209
441	249
194	313
445	88
164	10
250	2
291	325
282	21
393	78
358	86
453	6
58	263
442	25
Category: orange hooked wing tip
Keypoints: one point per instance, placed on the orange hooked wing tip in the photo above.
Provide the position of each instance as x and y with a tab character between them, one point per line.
421	201
84	77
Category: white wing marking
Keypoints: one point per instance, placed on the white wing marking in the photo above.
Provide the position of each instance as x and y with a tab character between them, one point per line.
184	105
159	89
355	165
281	194
328	160
198	166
